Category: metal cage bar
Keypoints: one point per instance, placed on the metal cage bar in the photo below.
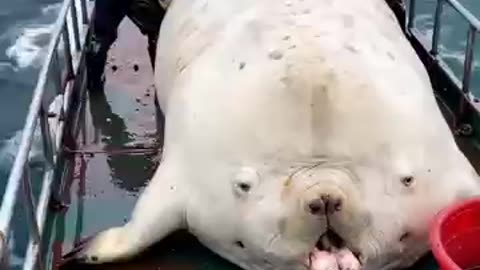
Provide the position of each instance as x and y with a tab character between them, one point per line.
29	204
46	137
83	10
67	49
57	73
75	22
437	27
469	57
20	173
411	14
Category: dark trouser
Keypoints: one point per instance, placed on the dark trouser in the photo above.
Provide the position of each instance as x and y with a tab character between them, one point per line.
147	15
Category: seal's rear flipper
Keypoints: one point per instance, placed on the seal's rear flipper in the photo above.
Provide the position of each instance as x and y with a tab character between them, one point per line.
158	212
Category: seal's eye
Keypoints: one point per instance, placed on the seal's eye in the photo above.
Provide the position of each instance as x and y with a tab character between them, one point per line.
407	181
245	187
245	180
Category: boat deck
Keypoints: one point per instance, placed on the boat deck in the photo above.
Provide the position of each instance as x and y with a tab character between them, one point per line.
104	186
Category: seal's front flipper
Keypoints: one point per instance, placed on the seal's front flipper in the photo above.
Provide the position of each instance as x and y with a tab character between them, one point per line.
158	212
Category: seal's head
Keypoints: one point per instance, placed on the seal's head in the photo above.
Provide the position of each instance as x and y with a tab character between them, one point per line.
380	213
286	219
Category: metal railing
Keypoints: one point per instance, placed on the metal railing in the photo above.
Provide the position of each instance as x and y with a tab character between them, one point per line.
68	39
474	27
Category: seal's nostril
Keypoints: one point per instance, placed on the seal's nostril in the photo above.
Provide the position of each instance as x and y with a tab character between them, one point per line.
331	203
239	244
338	205
316	207
404	236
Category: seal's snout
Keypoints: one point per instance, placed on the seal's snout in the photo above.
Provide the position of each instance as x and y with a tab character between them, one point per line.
326	204
326	199
325	191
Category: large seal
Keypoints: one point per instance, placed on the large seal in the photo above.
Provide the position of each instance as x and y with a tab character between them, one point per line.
298	133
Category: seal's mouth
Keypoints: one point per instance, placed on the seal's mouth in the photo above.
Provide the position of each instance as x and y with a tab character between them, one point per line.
329	248
330	241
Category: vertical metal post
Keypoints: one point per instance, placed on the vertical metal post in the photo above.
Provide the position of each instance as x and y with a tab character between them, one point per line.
411	14
57	73
29	205
46	136
4	252
75	23
83	8
469	57
84	124
437	27
68	53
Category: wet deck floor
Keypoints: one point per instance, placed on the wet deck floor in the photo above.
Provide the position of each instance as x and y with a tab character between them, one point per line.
105	187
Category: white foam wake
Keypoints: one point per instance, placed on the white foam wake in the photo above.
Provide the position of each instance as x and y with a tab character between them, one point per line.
10	147
29	49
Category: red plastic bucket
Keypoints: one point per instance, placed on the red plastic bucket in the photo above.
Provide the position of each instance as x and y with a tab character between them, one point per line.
455	236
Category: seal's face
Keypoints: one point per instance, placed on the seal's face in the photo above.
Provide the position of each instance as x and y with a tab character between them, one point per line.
380	216
289	217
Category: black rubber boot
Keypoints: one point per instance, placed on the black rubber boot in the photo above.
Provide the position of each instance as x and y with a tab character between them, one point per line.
96	58
108	15
152	48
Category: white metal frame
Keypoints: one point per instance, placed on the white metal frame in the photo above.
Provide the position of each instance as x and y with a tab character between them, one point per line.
72	30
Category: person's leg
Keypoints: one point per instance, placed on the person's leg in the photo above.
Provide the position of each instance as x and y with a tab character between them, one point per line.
152	48
148	16
106	18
